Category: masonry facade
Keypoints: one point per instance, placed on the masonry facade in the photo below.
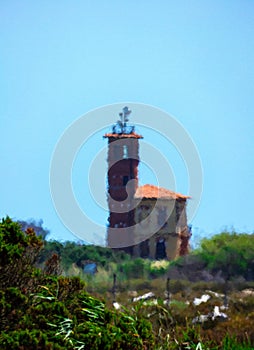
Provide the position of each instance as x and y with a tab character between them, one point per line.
145	221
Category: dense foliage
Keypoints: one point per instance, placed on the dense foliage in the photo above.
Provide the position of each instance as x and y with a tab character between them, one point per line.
71	252
43	308
18	253
41	311
229	252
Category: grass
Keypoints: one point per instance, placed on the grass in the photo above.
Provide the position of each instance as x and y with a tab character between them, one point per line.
172	326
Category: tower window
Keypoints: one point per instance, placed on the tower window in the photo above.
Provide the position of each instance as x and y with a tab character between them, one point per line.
125	180
143	212
125	151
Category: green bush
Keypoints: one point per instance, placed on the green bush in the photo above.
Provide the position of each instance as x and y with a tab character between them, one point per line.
57	312
231	253
71	252
135	268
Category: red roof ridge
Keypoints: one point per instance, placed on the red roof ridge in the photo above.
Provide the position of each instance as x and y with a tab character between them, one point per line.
152	191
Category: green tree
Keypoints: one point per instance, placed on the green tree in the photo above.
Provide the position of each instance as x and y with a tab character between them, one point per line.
232	253
18	253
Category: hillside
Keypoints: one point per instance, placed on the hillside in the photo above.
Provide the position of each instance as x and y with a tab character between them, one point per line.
44	306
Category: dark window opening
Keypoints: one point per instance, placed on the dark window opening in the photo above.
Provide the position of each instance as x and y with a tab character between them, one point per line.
125	180
161	249
143	212
129	250
144	249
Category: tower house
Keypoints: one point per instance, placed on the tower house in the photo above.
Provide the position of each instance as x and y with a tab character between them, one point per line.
147	221
122	176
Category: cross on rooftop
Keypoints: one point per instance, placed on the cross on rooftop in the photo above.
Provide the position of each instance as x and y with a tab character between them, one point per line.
121	126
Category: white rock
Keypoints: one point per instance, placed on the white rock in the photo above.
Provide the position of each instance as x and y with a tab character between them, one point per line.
146	296
203	299
201	319
216	295
117	306
217	313
211	316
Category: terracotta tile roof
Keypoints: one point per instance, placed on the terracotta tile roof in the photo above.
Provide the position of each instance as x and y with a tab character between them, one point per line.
151	191
123	136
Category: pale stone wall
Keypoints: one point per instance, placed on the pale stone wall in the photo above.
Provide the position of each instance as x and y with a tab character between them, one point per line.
159	220
181	217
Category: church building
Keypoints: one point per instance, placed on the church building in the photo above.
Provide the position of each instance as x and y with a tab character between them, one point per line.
145	221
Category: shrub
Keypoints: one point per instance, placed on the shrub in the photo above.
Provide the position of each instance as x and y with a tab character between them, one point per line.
57	313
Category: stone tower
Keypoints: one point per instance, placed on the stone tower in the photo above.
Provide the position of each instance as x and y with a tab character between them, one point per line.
123	160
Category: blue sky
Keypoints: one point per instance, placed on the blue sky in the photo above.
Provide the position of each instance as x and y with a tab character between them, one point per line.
192	59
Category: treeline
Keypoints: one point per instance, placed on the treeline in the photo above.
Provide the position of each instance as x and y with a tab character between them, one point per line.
227	255
74	253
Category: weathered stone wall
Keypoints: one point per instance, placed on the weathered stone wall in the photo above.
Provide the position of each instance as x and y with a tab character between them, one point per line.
160	223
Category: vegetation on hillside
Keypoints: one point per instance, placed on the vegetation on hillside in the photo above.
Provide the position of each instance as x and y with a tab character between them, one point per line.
43	311
44	306
228	254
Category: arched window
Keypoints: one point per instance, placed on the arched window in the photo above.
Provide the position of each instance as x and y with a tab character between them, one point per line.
125	152
160	249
